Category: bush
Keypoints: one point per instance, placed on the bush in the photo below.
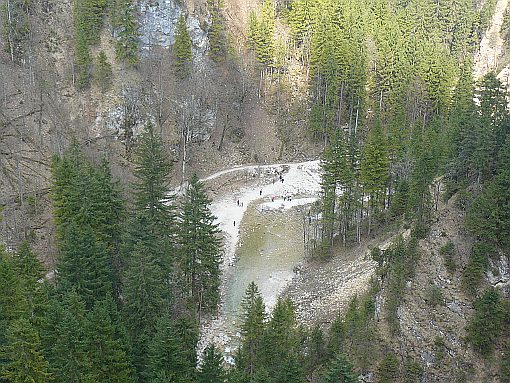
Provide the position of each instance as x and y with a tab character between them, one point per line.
447	249
439	349
413	372
434	296
420	230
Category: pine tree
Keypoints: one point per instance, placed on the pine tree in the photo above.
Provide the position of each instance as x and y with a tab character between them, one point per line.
374	169
182	51
279	350
217	33
83	59
340	371
106	345
211	370
153	215
12	302
103	73
65	340
125	25
200	248
261	33
24	361
167	355
84	265
252	330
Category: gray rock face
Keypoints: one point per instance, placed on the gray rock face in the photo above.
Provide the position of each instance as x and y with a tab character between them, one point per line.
498	272
158	19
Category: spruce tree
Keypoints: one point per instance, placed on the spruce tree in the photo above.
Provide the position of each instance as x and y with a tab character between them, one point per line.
145	300
22	355
316	346
12	302
279	352
252	330
103	72
200	248
27	264
211	370
217	33
153	215
83	59
106	344
84	265
261	31
168	358
374	170
487	323
182	51
125	25
65	340
489	215
339	370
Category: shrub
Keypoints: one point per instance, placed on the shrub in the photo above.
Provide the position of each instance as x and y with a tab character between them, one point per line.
434	296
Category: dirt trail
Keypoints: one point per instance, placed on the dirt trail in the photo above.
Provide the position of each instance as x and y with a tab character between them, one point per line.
492	44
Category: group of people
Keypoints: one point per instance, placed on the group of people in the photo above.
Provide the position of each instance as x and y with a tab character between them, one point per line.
285	198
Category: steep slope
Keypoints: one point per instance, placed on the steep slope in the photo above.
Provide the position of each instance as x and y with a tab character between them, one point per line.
211	121
491	49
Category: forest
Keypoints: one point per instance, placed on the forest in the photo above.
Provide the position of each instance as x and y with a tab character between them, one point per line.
402	124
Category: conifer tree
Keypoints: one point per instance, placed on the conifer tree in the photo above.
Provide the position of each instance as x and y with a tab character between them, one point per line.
125	25
29	271
27	264
252	330
217	33
24	361
489	215
486	324
103	73
374	169
145	299
106	344
280	346
182	51
12	302
316	347
200	248
261	31
84	265
153	213
83	59
65	340
340	370
168	359
211	370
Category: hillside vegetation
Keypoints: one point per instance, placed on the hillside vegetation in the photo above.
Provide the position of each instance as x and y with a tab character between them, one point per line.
107	103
